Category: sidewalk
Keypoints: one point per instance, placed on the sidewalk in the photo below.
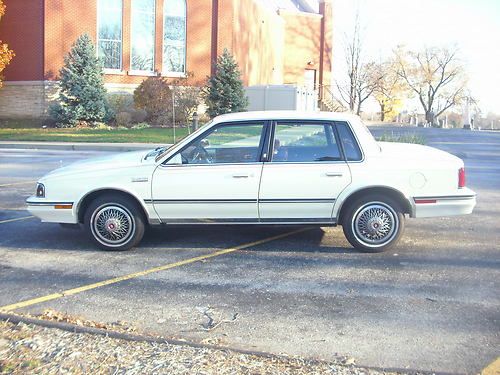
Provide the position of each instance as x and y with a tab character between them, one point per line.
79	146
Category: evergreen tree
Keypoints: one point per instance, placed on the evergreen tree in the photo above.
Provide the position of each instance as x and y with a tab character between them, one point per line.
224	92
82	96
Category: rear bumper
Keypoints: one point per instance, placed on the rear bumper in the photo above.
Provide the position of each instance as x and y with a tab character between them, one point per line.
52	212
449	205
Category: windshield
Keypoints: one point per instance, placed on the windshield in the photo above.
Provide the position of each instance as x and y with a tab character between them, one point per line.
163	150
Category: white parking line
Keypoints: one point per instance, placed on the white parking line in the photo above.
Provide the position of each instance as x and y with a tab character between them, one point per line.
165	267
16	219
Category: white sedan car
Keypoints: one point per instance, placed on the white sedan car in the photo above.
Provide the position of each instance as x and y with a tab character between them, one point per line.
260	168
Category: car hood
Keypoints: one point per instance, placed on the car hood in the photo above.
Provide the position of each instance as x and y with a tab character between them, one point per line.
415	152
108	162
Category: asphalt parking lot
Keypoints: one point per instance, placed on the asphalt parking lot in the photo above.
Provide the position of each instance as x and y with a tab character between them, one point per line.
432	304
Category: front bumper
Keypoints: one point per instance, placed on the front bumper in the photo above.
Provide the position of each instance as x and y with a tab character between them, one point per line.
449	205
52	212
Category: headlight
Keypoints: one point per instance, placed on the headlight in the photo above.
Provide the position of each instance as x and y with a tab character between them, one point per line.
40	191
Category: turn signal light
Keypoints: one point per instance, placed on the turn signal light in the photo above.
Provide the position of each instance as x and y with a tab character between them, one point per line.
461	177
63	206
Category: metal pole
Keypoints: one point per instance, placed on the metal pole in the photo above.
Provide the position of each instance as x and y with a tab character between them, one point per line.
173	108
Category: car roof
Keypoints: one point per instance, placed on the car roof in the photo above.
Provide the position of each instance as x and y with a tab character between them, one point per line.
286	115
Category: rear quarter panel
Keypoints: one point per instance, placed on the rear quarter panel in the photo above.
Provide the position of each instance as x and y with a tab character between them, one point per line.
412	174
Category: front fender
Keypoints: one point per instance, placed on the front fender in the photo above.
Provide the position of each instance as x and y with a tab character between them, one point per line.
138	196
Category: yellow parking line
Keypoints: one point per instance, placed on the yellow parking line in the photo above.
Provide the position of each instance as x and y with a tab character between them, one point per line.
115	280
493	368
17	183
16	219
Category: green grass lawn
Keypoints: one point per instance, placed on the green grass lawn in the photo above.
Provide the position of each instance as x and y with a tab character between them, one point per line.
149	135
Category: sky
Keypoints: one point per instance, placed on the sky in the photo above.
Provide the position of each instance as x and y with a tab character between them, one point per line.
471	25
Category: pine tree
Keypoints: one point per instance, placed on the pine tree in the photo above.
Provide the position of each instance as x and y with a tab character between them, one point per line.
82	95
224	92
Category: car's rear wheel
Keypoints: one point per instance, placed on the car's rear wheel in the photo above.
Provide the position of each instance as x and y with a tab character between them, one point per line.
373	223
114	222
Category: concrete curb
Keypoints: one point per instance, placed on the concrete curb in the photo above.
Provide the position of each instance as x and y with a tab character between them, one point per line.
66	146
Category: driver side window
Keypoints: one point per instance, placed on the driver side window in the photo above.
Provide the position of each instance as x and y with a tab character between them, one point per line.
231	143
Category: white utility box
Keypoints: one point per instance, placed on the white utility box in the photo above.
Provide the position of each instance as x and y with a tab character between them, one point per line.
281	97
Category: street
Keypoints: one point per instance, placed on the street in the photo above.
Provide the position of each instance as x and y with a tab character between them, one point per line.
431	304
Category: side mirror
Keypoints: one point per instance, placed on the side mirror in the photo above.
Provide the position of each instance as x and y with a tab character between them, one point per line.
204	143
176	160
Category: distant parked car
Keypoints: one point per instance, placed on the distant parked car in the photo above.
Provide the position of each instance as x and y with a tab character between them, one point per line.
260	168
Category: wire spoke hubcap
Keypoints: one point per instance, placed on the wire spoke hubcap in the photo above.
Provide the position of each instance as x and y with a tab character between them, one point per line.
375	224
112	225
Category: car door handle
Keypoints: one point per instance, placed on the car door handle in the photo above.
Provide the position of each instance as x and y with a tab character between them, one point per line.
240	176
334	174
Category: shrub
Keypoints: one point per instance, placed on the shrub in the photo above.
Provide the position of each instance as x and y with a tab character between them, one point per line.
124	102
141	125
121	102
82	96
138	115
224	92
402	138
164	120
154	96
187	100
123	119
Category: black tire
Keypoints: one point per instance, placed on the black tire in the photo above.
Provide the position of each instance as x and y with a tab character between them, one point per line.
373	223
114	222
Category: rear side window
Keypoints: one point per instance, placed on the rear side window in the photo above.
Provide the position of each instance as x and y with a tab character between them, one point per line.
296	142
351	148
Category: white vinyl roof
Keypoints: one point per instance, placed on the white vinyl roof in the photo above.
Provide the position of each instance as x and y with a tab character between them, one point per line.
286	115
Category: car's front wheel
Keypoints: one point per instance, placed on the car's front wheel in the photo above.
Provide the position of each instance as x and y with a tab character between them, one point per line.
114	222
373	223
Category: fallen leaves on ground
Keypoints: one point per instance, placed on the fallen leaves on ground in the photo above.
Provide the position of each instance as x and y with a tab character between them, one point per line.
33	349
59	316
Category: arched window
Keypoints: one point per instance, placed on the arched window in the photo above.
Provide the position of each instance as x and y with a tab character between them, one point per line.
143	36
109	33
174	37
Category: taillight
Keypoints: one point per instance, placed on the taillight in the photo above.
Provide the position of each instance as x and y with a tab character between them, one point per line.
461	177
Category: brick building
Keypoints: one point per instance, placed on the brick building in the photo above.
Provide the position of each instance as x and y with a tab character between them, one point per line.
274	42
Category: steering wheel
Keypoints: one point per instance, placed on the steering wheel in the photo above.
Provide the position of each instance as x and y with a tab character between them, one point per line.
201	156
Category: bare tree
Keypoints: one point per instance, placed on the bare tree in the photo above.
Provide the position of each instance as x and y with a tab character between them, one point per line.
389	89
368	81
352	50
435	75
362	76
